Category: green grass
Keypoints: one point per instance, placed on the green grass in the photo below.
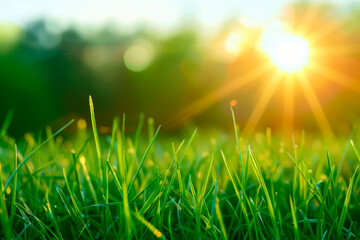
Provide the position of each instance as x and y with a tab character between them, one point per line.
146	185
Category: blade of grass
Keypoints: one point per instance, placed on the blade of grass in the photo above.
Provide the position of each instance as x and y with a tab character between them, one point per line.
261	181
151	131
6	123
76	210
187	147
103	173
32	225
88	179
4	221
77	179
126	208
117	182
215	197
138	131
47	231
296	228
319	227
53	218
143	159
151	227
96	135
345	207
332	184
36	149
169	226
14	190
356	150
202	194
147	186
243	208
343	156
221	221
108	218
239	148
120	155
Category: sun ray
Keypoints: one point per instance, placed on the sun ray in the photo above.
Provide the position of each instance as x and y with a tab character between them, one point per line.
315	106
333	75
325	30
203	103
262	103
289	103
336	50
308	19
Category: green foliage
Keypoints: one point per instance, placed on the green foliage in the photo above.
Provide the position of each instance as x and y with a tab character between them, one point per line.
211	186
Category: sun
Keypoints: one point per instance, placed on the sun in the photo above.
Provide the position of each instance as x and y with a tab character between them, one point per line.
289	52
293	62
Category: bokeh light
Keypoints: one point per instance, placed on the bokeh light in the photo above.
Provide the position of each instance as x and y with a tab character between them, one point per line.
229	46
81	124
139	56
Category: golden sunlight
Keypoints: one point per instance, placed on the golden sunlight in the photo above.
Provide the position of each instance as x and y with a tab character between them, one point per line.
233	43
287	51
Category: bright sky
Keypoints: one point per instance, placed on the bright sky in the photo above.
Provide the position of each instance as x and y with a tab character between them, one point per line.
163	15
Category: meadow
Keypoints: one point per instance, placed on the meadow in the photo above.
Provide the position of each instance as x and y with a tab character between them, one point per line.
200	184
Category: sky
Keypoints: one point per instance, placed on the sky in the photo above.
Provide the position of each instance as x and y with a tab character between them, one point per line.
164	15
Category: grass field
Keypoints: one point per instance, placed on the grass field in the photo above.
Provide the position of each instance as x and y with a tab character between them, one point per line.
146	185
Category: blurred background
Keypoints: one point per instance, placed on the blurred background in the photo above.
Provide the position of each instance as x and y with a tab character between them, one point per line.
176	61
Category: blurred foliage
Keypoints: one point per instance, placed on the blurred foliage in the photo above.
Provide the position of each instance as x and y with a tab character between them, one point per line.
46	74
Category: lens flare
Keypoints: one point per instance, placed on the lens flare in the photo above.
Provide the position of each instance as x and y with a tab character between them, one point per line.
287	51
139	56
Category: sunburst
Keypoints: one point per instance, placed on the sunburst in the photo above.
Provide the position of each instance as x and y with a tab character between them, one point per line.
292	56
289	52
